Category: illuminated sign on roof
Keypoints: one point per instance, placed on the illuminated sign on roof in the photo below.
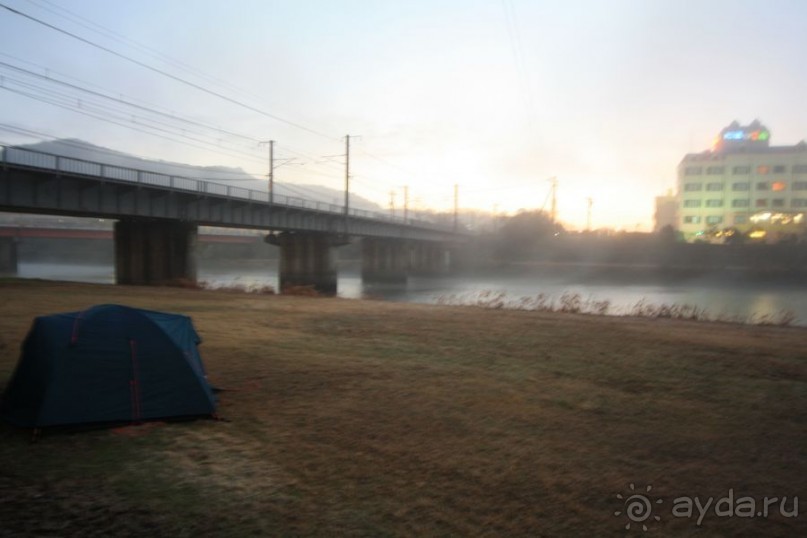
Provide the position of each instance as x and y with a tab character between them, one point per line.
740	134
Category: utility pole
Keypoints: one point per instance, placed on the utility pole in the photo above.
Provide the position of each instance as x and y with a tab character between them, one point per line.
588	213
347	178
392	203
406	203
554	207
271	169
456	205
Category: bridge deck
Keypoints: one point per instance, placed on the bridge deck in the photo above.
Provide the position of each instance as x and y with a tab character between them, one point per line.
37	182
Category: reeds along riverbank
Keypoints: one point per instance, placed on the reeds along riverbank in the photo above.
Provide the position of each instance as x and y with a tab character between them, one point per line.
576	303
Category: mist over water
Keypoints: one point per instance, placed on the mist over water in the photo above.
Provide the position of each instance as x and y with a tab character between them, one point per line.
721	296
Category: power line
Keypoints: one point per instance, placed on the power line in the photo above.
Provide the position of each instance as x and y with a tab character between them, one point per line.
518	55
520	186
131	103
97	149
108	120
126	41
58	99
368	185
332	165
386	162
127	103
151	108
48	72
124	102
120	38
301	191
67	99
165	73
83	106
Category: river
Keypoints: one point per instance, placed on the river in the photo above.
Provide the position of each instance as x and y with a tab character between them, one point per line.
720	296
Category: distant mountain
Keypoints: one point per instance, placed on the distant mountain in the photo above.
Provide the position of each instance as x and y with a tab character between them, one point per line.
237	177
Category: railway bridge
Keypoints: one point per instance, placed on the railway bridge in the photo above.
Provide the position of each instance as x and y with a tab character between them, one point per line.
157	218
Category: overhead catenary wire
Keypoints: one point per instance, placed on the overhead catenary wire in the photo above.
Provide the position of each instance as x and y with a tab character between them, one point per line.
514	33
93	26
49	137
334	168
154	127
138	160
86	97
297	189
167	74
180	79
49	72
169	116
117	100
301	191
144	129
129	101
124	102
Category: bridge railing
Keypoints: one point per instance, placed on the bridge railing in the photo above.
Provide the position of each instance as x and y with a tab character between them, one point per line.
49	161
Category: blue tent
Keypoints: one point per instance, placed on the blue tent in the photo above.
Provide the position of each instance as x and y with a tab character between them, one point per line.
109	363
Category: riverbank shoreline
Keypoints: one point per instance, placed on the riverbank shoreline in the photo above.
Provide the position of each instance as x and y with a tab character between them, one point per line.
641	293
369	418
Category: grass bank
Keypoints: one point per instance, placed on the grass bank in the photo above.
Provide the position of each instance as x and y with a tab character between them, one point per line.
366	418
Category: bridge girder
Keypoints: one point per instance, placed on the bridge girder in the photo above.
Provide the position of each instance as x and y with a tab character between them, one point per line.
26	190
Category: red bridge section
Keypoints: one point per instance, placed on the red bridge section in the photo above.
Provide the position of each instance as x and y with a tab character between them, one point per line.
79	233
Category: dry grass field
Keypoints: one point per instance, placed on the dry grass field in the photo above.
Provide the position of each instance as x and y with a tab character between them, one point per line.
366	418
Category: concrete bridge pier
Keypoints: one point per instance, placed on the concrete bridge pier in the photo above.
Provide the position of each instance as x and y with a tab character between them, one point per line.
8	255
430	258
384	260
306	260
155	252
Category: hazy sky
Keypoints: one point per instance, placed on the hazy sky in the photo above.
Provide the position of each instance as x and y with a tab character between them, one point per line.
494	95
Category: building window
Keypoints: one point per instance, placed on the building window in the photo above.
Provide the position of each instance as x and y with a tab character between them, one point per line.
779	169
778	186
692	220
762	186
761	202
778	202
800	168
763	170
693	171
714	203
691	187
714	219
741	170
740	219
714	170
740	186
740	203
714	186
800	185
692	203
798	202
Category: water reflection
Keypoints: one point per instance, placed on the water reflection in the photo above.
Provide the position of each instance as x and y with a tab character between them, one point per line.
723	297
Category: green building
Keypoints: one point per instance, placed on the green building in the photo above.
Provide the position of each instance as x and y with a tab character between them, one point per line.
744	184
